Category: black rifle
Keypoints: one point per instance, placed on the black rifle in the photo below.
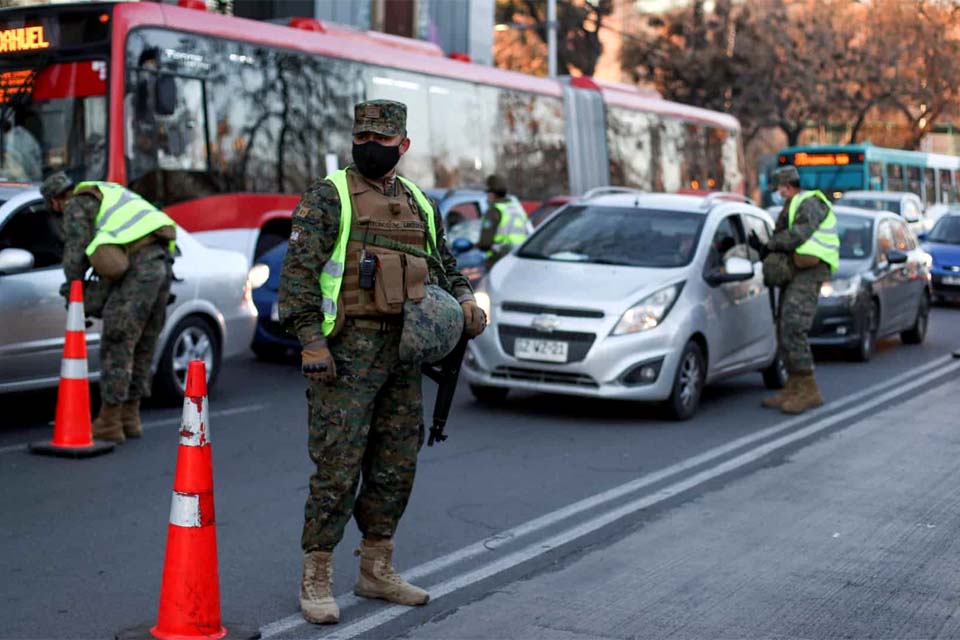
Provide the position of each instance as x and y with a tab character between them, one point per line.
445	373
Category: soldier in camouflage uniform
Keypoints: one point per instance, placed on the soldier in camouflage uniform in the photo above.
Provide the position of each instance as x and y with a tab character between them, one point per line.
803	277
365	400
133	313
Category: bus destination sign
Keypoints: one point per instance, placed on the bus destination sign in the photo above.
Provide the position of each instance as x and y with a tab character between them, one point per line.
803	159
23	39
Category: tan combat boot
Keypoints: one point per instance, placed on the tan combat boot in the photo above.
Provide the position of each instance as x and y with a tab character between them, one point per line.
108	425
379	580
789	389
316	598
130	418
806	397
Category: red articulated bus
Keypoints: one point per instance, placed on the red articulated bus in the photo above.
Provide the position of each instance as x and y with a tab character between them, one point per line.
224	121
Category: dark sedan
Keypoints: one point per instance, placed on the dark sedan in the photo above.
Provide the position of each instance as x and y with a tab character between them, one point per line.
881	288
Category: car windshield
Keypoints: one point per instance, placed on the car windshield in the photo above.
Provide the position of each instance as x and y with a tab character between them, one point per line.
856	237
946	231
873	204
617	235
54	117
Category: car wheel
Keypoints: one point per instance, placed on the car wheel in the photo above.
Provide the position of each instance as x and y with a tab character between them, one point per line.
868	334
193	338
687	383
917	333
489	395
775	376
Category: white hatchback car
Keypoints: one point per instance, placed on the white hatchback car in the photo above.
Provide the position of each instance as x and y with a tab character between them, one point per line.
630	295
211	315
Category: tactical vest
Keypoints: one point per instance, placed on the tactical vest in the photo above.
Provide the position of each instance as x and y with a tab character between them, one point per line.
124	217
366	212
512	229
824	243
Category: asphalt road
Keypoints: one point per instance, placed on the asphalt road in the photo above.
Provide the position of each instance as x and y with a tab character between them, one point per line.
513	491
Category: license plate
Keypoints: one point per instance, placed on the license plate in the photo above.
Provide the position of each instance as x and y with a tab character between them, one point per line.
543	350
951	279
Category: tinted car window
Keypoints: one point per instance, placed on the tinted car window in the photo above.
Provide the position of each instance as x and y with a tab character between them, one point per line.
463	212
617	235
728	241
36	229
884	240
856	237
901	237
947	231
758	226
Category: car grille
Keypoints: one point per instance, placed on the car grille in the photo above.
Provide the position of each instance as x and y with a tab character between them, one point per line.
547	377
536	309
578	343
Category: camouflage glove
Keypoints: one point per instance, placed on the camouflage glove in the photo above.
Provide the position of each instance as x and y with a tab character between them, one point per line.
317	363
474	319
65	293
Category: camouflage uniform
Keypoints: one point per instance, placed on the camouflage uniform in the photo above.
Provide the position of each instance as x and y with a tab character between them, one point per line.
135	308
368	424
798	299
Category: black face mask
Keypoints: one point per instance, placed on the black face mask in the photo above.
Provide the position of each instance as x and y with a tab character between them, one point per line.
374	160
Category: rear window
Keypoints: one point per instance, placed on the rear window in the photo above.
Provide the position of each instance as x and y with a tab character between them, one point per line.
892	206
856	237
617	235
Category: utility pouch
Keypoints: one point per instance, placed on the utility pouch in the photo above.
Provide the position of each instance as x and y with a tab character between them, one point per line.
803	261
777	270
388	293
415	277
110	261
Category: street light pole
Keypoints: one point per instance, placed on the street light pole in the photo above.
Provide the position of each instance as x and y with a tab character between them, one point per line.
552	38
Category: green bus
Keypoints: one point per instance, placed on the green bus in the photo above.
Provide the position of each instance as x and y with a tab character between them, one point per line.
835	169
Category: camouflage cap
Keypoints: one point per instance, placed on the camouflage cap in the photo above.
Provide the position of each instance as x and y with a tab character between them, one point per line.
785	175
385	117
55	185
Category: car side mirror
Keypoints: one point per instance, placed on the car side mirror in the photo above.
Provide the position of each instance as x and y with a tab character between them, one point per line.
166	95
896	257
462	245
15	261
922	237
734	270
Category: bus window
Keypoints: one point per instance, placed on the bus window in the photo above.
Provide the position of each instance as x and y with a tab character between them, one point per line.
944	188
929	188
914	184
630	148
895	177
876	176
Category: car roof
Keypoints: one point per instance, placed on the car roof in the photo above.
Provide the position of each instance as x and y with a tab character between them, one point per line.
878	195
703	205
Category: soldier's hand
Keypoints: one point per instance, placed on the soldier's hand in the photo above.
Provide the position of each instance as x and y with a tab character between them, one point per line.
317	363
474	319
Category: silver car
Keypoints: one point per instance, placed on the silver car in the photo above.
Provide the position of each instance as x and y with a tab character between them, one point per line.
211	315
630	295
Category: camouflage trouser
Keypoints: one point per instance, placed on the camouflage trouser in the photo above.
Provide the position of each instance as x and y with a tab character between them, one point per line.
798	306
370	424
133	318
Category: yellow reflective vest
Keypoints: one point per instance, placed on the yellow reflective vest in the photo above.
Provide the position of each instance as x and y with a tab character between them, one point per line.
825	242
331	279
124	217
512	229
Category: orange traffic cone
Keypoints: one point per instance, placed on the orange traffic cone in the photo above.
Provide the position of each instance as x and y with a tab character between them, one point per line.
72	429
190	589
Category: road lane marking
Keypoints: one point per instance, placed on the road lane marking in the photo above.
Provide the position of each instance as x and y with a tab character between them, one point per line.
153	424
532	551
543	522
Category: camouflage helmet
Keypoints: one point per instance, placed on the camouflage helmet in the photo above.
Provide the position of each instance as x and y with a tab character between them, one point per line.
55	185
785	175
431	326
777	269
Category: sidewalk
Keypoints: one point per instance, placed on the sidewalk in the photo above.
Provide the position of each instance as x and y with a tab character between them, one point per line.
858	535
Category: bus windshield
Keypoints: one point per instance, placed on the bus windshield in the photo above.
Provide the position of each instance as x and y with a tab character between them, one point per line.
54	117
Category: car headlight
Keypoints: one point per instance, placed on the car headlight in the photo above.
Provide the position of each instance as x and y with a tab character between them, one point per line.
649	312
840	287
483	301
258	275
